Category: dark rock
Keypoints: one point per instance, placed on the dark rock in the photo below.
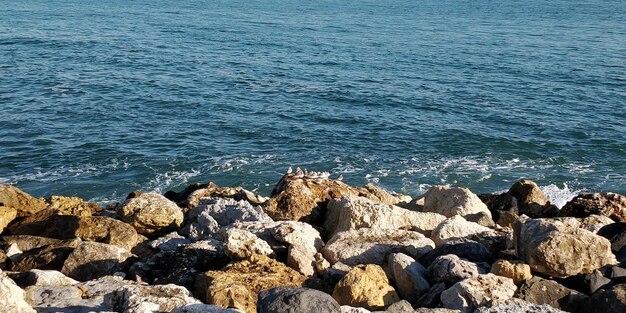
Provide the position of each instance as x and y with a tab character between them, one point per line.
617	274
47	257
616	234
621	256
463	248
608	204
587	283
543	291
608	301
332	276
531	200
432	298
503	202
296	300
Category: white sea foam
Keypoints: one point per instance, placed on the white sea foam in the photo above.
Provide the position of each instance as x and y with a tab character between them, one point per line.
560	196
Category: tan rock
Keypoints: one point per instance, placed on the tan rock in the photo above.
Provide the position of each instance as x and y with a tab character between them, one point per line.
91	260
7	215
242	244
456	227
516	270
451	201
239	283
365	286
474	292
151	214
25	204
73	206
531	200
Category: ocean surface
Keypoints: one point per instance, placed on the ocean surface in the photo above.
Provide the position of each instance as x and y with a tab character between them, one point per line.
100	98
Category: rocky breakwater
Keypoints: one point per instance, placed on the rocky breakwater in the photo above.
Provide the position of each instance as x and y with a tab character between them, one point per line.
315	245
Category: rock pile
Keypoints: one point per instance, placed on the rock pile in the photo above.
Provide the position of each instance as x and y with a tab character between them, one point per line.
315	245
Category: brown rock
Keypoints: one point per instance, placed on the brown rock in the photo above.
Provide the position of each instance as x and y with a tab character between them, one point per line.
151	214
73	206
50	257
606	204
544	291
7	215
365	286
516	270
190	196
24	203
531	200
238	284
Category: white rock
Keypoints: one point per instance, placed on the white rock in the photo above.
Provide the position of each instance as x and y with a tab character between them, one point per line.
169	242
49	278
409	275
351	309
152	299
304	242
12	296
474	292
242	244
456	227
451	201
91	260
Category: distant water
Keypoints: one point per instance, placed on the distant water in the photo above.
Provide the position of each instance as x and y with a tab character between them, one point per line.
99	98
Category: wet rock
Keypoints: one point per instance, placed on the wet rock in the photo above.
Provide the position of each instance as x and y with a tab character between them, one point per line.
455	227
543	291
242	244
463	248
409	276
616	234
151	214
519	306
499	203
351	212
609	204
91	228
7	215
451	201
12	296
25	204
203	308
239	283
554	248
451	269
531	200
369	246
91	260
605	301
365	286
158	298
296	300
516	270
474	292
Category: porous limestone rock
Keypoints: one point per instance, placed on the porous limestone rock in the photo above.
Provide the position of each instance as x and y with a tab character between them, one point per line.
455	227
296	300
12	296
151	214
7	215
531	200
352	212
608	204
518	271
463	248
561	250
451	269
25	204
151	299
91	260
239	283
369	246
365	286
409	276
451	201
474	292
242	244
72	206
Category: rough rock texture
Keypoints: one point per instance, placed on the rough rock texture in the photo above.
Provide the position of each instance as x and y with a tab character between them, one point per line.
12	297
463	248
531	200
594	223
46	257
304	243
409	276
455	227
469	294
451	201
369	246
451	269
203	308
144	299
499	203
296	300
91	260
519	306
73	206
616	234
239	283
554	248
606	301
25	204
151	214
92	228
543	291
7	215
37	277
365	286
609	204
169	242
242	244
299	197
518	271
191	196
353	212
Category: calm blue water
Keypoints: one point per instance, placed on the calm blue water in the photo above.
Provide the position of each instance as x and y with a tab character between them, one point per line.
99	98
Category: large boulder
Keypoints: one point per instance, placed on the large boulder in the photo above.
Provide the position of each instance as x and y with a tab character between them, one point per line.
91	260
518	271
451	269
409	276
543	291
92	228
609	204
7	215
144	299
561	250
239	283
474	292
25	204
37	277
353	212
456	227
296	300
451	201
369	246
12	296
151	214
365	286
531	200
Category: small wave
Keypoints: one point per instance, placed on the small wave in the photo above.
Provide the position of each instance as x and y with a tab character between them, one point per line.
560	196
165	181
